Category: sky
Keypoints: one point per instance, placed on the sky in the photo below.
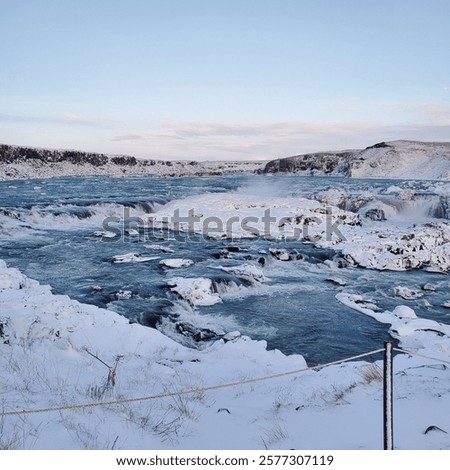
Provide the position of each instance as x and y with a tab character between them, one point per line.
223	79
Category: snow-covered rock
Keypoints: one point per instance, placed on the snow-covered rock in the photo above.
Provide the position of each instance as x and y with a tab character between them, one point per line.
407	293
402	311
104	234
280	254
428	287
197	291
336	280
232	336
176	262
132	258
124	294
397	248
162	248
247	271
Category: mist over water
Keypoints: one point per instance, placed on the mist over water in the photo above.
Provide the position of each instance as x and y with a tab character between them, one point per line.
47	230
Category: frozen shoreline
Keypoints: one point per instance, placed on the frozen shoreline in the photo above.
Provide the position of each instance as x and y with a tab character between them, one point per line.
45	339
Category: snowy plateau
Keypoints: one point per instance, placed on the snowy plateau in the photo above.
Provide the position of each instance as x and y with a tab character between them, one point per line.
81	368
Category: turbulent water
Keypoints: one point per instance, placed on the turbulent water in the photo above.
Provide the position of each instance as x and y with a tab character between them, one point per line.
50	230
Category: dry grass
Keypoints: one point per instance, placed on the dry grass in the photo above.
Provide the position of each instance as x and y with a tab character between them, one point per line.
274	435
371	373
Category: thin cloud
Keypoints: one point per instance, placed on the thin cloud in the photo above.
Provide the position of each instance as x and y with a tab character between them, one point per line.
275	130
128	137
25	119
422	111
64	118
215	141
195	129
85	119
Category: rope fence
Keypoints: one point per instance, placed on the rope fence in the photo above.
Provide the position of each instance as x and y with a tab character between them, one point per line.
188	391
212	387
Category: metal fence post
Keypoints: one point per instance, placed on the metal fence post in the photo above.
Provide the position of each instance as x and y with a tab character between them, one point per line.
387	397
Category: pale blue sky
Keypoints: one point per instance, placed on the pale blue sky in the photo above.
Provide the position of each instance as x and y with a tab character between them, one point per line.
210	79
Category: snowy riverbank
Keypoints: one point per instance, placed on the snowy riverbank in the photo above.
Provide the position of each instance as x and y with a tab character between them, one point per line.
48	344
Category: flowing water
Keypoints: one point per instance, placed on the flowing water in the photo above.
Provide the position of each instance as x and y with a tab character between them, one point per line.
47	231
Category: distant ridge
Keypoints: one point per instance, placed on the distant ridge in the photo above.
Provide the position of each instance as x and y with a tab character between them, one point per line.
397	159
28	162
401	159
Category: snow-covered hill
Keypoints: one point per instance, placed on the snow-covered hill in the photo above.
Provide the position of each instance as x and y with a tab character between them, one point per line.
24	162
397	159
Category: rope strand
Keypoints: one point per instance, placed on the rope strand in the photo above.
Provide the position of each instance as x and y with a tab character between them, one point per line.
421	355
